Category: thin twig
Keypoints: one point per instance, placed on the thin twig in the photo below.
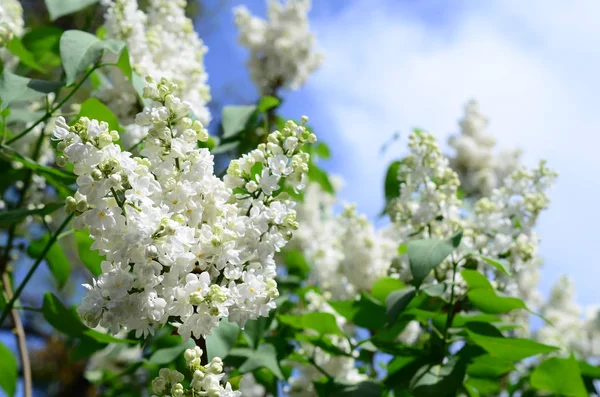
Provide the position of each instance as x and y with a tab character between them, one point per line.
201	343
19	332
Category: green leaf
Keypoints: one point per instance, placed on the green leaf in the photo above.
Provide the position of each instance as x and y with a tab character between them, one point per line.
15	88
256	170
235	119
487	301
367	388
170	354
475	279
59	264
267	102
514	349
591	371
17	48
79	50
502	267
8	218
319	176
56	177
60	317
364	312
222	339
296	263
59	8
438	380
425	255
560	376
94	109
392	184
264	357
397	301
8	371
323	323
43	42
124	64
138	84
254	330
384	286
322	150
90	258
486	366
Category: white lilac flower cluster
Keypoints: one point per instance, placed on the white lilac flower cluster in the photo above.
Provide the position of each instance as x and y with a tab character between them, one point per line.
502	227
567	329
427	204
11	25
162	43
341	367
479	167
281	48
180	246
206	379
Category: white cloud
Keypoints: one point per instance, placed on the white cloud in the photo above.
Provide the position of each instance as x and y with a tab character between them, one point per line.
534	67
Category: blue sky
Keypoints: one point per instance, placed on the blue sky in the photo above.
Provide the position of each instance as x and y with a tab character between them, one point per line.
395	65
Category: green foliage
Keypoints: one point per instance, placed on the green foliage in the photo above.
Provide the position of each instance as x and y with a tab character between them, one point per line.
17	48
392	184
323	323
94	109
10	217
15	88
80	50
397	301
560	376
169	354
384	286
8	371
235	119
514	349
264	357
57	261
59	8
222	339
90	258
425	255
267	103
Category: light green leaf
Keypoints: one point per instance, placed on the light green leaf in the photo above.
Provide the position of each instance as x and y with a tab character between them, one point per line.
170	354
79	50
438	380
17	49
90	258
318	175
15	88
94	109
59	8
475	279
514	349
10	217
560	376
267	102
43	42
222	339
235	119
501	266
487	301
384	286
486	366
425	255
264	357
124	64
57	261
8	371
323	323
60	317
397	301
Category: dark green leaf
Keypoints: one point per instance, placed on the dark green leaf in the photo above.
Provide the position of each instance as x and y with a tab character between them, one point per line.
486	366
255	330
43	43
79	50
235	119
15	88
384	286
397	301
60	317
392	184
560	376
591	371
222	339
8	371
367	388
364	312
124	64
169	354
425	255
10	217
59	264
296	263
89	257
438	380
319	176
489	302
